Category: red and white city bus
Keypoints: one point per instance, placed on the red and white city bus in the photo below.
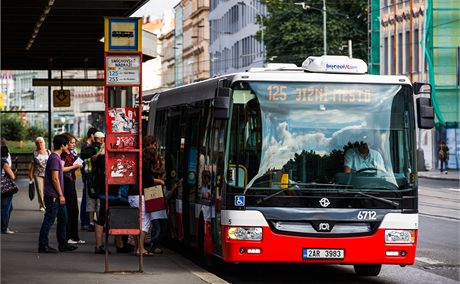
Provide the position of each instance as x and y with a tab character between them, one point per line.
269	164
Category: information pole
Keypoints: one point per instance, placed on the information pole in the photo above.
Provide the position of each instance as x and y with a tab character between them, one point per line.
123	116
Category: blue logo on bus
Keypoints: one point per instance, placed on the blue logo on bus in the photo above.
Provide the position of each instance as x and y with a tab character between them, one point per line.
239	200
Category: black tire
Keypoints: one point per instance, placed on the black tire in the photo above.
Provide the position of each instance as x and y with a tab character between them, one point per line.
367	269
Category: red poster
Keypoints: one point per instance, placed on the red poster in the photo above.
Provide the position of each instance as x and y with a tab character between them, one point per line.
122	120
119	142
122	168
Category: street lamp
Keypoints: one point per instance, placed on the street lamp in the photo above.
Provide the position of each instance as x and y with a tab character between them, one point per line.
306	7
262	28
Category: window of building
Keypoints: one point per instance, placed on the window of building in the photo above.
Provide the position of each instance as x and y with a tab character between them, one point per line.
385	55
391	55
416	51
407	55
400	54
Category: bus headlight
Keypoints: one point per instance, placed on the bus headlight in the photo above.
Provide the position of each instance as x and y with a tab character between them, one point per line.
245	233
399	236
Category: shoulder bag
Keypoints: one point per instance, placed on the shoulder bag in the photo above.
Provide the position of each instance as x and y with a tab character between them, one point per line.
154	198
8	186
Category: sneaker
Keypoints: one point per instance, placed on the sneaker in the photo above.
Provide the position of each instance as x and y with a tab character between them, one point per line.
42	209
67	247
157	250
125	249
445	172
81	242
72	242
47	250
9	232
100	250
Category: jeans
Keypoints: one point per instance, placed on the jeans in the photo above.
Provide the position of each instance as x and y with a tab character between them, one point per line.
445	162
7	207
158	227
53	209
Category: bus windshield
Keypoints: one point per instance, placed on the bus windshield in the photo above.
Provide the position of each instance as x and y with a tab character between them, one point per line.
353	136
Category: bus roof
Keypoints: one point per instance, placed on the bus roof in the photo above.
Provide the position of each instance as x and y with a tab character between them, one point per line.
302	76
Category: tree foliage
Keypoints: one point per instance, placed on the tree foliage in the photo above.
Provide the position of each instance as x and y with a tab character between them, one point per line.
292	34
11	127
34	131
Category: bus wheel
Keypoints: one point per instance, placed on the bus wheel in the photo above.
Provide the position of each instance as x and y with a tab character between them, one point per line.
367	269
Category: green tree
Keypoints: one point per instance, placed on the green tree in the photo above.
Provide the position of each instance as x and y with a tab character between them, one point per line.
292	33
11	127
34	131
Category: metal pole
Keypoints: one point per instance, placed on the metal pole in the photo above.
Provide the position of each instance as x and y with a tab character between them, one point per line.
50	114
262	35
324	28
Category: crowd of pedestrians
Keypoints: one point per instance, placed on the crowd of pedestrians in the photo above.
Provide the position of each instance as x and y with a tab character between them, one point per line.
54	173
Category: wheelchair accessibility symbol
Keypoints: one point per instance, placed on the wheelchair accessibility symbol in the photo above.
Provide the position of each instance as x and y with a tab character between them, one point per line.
239	200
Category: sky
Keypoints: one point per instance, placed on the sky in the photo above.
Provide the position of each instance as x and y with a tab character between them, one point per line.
155	8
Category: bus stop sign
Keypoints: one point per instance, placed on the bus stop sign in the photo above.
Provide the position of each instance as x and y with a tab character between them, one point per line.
61	98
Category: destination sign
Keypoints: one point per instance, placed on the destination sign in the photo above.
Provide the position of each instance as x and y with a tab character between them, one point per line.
122	70
319	94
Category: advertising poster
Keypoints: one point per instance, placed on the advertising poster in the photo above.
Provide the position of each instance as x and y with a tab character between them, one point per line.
122	120
122	168
118	142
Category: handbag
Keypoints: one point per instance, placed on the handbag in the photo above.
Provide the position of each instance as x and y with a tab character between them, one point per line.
154	198
31	190
8	186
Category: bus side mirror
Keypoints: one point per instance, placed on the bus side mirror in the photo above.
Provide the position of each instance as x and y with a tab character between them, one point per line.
425	113
422	88
222	103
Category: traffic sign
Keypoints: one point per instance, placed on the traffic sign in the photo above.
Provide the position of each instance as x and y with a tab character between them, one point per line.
61	98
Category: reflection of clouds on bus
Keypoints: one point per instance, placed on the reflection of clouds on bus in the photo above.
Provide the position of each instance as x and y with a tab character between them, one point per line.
280	148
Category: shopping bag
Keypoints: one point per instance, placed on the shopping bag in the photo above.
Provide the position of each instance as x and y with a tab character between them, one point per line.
8	186
31	190
154	198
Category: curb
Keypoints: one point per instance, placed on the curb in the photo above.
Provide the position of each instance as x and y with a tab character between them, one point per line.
450	178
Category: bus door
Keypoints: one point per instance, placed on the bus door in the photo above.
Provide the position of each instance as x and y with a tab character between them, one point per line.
174	171
192	132
217	145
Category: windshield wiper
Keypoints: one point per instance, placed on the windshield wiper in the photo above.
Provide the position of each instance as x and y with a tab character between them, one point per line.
271	195
384	200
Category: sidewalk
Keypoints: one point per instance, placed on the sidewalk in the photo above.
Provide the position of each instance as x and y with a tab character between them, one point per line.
21	263
436	174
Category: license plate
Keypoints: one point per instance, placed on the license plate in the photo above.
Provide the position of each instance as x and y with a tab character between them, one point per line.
308	253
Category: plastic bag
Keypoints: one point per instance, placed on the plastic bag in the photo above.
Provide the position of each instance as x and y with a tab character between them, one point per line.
31	190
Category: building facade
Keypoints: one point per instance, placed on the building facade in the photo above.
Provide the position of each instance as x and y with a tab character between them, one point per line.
195	54
233	26
421	39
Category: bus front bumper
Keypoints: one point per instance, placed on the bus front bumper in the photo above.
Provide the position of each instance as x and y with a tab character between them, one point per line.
286	248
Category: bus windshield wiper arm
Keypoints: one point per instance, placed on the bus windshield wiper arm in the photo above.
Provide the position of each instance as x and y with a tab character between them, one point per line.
271	195
384	200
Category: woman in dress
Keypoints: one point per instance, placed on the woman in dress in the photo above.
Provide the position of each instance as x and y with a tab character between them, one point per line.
37	170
